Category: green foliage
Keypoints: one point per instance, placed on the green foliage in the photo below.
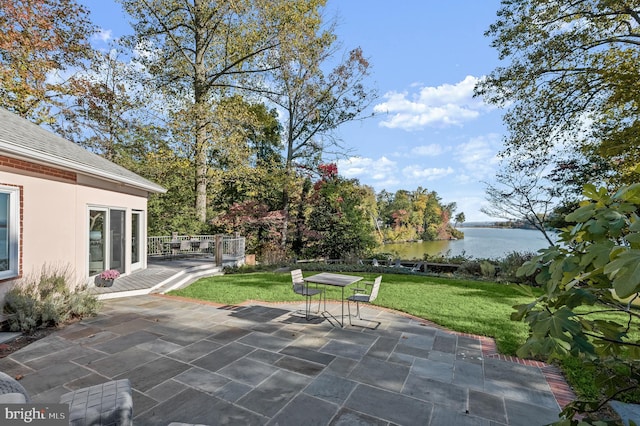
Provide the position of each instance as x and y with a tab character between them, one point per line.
566	61
38	38
594	270
338	225
508	268
47	299
410	215
487	269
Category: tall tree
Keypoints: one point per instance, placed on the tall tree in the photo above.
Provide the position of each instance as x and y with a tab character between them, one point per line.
314	101
197	51
39	41
572	81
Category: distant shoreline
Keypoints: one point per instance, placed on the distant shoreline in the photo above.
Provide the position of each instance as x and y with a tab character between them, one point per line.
505	225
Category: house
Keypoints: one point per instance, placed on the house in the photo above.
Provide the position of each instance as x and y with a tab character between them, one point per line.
61	205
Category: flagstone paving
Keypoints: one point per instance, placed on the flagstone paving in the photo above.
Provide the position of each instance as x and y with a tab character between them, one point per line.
262	364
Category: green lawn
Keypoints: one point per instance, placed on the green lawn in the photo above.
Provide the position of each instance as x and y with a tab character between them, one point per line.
475	307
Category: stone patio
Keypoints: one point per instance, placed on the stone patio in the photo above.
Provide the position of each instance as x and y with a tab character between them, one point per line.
260	364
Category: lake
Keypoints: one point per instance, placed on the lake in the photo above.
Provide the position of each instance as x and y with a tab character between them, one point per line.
479	243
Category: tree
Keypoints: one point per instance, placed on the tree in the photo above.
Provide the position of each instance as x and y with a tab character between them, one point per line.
520	195
39	41
196	52
572	84
339	224
460	218
593	273
105	107
313	102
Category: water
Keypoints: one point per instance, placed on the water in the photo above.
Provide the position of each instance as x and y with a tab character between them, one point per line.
478	243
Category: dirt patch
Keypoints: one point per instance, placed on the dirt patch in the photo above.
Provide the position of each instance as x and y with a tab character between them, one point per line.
20	342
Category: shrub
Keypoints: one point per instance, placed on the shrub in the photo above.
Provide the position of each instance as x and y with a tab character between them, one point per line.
470	268
590	282
47	299
509	265
488	269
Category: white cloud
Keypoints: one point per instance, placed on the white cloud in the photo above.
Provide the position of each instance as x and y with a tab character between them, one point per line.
470	205
441	106
382	171
479	156
103	35
418	173
431	150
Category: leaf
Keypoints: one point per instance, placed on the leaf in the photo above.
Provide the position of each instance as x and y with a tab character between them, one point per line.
590	191
629	193
625	273
597	255
582	214
633	238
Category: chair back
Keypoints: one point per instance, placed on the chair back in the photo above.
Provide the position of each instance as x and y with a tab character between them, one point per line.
204	245
297	279
185	245
375	289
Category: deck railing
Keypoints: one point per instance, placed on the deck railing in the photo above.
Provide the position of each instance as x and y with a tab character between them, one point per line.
220	247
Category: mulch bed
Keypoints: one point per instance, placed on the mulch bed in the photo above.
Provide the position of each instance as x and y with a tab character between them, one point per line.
20	342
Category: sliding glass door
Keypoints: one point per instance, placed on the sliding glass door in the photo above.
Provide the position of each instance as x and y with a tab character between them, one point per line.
107	240
97	241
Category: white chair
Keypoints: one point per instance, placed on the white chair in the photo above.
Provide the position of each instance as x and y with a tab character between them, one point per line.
360	296
204	247
301	288
185	247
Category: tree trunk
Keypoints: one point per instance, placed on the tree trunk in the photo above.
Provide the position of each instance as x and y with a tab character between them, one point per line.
201	117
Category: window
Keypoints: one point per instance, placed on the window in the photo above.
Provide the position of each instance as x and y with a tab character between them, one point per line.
9	231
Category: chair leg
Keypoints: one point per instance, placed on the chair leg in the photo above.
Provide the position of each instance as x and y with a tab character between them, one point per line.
307	307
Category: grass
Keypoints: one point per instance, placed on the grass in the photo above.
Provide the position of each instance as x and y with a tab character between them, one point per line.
475	307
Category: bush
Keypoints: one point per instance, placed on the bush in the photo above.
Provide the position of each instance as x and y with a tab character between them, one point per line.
470	268
590	280
47	299
509	265
488	269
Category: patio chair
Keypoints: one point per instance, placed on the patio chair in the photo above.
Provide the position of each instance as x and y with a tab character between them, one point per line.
204	247
359	296
417	267
301	288
185	247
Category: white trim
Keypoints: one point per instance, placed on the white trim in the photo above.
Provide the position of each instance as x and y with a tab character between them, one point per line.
139	264
13	231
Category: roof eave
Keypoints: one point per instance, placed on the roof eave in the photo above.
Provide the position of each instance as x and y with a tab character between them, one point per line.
51	160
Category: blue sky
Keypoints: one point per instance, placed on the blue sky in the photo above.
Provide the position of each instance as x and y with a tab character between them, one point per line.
428	131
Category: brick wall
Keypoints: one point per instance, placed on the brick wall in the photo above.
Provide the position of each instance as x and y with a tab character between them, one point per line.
15	163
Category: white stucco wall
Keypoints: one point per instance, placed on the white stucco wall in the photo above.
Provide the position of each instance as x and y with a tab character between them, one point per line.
55	226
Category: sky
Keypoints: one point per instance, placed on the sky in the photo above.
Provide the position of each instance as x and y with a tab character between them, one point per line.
427	129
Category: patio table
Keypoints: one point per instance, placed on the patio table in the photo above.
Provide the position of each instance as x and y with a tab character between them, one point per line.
172	247
336	280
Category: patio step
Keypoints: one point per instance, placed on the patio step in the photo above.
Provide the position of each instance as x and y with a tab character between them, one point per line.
188	276
163	280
